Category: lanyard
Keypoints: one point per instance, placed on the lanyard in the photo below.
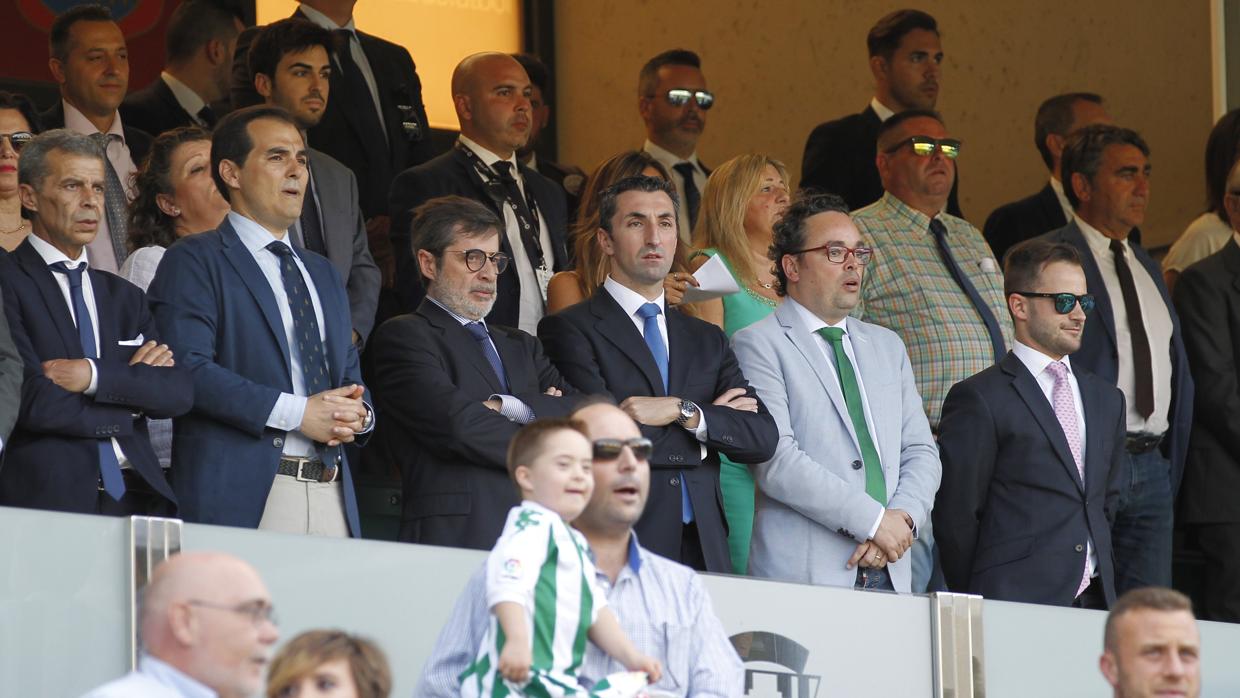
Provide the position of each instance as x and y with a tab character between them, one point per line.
499	193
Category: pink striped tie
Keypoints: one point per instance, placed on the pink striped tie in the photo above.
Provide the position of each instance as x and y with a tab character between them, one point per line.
1065	412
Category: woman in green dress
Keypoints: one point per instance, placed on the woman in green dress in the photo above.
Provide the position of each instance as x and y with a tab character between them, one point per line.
740	204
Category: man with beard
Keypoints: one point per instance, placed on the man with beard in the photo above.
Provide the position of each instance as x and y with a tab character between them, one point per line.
290	62
1032	448
452	388
491	93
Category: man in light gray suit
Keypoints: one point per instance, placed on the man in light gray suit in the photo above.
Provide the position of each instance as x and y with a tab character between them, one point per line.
10	379
291	64
856	468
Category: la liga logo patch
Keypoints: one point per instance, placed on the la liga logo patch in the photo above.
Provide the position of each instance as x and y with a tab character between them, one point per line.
512	569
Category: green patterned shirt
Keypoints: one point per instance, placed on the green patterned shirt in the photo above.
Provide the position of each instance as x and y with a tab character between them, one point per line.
908	289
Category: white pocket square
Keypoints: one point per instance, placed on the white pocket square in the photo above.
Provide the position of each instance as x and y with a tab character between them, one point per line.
135	342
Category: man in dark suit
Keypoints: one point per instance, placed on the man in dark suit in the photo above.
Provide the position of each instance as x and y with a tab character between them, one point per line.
10	379
1207	296
1032	450
674	374
570	177
491	93
93	368
906	60
263	329
453	389
90	62
1058	117
290	61
199	43
1133	341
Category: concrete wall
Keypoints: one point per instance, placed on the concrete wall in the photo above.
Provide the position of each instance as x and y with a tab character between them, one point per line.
779	67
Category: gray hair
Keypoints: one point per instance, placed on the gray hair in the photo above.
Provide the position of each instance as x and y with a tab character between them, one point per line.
32	165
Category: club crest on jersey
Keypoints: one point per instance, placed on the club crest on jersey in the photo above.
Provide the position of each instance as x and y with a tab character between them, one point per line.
527	518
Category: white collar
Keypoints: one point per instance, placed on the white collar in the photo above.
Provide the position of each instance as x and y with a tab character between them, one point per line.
77	122
1035	360
253	235
185	95
812	322
488	157
51	255
1099	243
628	299
881	109
668	158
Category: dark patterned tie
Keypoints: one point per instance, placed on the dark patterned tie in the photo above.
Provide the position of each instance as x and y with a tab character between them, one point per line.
309	343
115	200
983	310
1142	365
207	116
692	196
525	217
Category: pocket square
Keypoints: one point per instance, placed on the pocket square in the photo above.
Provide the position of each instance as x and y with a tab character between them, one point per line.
135	342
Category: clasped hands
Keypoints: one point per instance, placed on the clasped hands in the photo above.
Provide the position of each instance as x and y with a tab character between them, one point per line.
74	374
660	411
335	416
892	539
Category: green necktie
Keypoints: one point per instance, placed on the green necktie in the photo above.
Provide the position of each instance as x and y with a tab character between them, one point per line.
875	485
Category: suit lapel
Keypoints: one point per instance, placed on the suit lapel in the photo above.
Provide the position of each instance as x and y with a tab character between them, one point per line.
614	325
53	299
104	314
1027	387
252	276
805	343
1091	399
456	335
1093	279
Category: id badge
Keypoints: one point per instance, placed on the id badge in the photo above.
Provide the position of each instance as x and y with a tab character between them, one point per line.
544	279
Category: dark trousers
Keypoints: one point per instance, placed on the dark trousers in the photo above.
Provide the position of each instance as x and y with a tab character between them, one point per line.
1141	534
140	499
1092	598
1220	585
691	553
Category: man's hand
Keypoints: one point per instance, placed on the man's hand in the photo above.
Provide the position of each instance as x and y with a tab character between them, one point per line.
867	554
674	286
71	374
895	534
152	354
554	392
650	665
334	416
655	411
514	662
737	399
493	404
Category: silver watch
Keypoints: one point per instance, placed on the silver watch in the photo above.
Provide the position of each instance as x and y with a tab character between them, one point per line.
687	411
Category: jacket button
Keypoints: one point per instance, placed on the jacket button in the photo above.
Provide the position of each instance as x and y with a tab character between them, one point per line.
674	482
1079	547
277	442
856	465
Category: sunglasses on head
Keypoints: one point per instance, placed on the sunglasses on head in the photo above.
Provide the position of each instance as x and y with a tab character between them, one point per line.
610	449
18	139
1064	302
679	97
924	146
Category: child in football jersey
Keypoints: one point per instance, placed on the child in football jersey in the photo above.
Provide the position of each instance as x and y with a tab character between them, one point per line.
541	585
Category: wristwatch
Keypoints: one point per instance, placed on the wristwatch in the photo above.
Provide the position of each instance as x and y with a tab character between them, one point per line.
687	411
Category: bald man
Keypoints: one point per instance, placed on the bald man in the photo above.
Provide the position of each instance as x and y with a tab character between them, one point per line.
491	93
207	629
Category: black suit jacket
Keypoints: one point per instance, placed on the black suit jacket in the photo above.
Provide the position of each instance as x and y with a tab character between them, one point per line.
600	351
1021	220
139	141
839	158
154	109
52	459
1207	295
341	133
452	174
1012	518
430	380
1100	355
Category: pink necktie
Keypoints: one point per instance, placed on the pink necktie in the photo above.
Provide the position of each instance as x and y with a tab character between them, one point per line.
1065	412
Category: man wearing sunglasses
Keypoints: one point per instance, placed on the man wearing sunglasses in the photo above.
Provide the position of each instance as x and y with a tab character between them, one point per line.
840	502
673	100
1032	451
452	388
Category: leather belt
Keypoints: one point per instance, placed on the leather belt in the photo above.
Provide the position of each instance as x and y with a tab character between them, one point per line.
307	469
1139	442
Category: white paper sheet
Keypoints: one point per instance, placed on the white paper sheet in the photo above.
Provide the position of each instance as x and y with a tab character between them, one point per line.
715	281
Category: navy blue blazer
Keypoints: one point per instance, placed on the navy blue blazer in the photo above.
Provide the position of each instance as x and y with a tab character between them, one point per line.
52	459
1099	355
216	310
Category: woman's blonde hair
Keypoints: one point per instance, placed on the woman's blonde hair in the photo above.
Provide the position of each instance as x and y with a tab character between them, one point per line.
314	648
721	216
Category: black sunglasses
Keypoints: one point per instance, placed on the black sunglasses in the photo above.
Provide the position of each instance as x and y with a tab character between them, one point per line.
925	146
1065	302
679	97
610	449
18	139
474	259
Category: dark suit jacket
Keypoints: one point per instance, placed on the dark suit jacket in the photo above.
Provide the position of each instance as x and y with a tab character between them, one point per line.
344	232
431	379
600	351
139	141
1099	354
154	109
839	158
341	132
216	310
575	177
452	173
10	376
1012	517
1022	220
52	459
1207	295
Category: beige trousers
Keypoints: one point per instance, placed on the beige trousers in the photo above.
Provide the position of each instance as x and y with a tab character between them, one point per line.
310	508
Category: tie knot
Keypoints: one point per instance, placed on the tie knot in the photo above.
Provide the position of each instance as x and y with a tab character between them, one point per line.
684	168
937	227
74	273
503	168
279	249
477	330
1058	370
1117	246
649	310
834	335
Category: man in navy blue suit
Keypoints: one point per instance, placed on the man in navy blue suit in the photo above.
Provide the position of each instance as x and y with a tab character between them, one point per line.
93	367
264	329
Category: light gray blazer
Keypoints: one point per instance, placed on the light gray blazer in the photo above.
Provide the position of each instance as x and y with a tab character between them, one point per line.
812	508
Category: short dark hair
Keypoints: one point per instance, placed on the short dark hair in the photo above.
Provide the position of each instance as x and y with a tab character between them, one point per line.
537	71
1023	263
439	221
649	75
1056	116
1143	599
32	167
193	24
22	104
895	120
231	139
788	234
148	224
1221	150
278	39
1083	153
609	197
58	36
530	440
885	36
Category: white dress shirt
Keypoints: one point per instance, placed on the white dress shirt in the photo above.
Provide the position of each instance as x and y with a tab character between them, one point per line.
669	160
99	250
185	96
1068	213
1157	321
881	109
532	307
355	50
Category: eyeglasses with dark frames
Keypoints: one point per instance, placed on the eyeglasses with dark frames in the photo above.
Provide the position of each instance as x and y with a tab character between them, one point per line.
1064	302
610	449
18	139
679	97
924	146
256	611
474	259
836	254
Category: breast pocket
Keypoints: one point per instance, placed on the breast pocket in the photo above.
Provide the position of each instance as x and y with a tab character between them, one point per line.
675	656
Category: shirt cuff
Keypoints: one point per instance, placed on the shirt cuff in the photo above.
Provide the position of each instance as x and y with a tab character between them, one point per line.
94	380
874	528
514	409
700	432
288	412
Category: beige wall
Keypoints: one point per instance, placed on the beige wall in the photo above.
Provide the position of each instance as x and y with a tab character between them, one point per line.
780	67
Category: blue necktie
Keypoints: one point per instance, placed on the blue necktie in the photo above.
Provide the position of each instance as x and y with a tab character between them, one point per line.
988	318
649	313
109	467
480	334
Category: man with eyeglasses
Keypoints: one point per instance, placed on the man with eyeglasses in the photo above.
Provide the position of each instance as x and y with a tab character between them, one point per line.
207	629
934	282
841	501
673	100
1133	341
662	606
1032	451
453	388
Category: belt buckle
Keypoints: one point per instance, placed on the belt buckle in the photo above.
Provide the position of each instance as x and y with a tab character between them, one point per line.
301	465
